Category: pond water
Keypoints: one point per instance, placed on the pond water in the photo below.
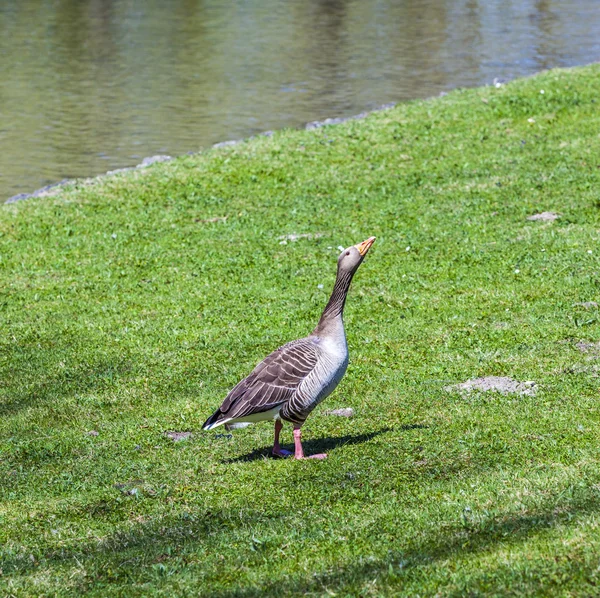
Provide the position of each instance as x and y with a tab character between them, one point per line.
88	86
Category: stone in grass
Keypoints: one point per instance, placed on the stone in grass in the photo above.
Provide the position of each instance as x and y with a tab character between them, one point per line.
128	484
544	216
345	412
227	143
587	305
587	347
317	124
295	236
93	433
153	160
178	436
135	488
501	384
48	190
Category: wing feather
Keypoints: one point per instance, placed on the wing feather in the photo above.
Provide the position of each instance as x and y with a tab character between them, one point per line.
272	382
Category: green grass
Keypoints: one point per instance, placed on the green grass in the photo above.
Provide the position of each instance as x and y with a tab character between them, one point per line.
125	310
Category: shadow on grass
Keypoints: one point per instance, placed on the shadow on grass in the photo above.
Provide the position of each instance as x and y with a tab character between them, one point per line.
171	543
319	445
398	567
45	372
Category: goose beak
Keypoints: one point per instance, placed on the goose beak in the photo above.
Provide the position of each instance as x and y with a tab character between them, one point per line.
365	246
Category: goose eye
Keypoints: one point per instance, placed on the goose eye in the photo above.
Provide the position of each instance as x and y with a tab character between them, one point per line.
347	253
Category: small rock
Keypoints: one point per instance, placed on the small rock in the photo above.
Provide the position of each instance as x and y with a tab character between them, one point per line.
296	236
42	192
119	170
130	487
215	219
585	347
93	433
153	160
227	143
177	436
588	370
317	124
18	197
587	305
500	384
544	216
345	412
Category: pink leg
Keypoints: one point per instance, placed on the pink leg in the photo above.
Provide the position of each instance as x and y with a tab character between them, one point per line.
299	454
277	450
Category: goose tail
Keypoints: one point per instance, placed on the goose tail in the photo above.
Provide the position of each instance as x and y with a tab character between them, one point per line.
216	419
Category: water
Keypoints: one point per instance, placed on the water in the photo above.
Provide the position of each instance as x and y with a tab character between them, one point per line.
88	86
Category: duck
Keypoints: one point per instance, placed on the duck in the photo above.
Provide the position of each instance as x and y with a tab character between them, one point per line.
290	382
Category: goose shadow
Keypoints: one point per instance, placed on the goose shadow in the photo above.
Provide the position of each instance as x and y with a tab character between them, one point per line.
320	445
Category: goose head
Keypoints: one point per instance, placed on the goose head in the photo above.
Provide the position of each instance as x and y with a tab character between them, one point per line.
351	258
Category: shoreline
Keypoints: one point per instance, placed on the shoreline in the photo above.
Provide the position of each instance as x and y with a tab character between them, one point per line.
53	188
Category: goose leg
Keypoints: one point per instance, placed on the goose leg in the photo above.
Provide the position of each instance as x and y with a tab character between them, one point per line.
299	454
277	450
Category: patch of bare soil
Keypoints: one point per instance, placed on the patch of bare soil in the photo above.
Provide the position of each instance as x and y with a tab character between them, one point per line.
544	216
587	305
588	347
501	384
345	412
215	219
295	236
578	368
177	436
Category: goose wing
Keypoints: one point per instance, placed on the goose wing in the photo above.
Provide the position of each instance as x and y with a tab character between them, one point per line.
272	382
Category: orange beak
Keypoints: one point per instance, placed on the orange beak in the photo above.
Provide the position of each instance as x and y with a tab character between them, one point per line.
365	246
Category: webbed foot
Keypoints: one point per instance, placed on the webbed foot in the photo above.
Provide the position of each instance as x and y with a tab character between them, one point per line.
281	453
319	456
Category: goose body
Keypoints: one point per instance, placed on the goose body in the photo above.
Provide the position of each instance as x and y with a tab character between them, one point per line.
290	382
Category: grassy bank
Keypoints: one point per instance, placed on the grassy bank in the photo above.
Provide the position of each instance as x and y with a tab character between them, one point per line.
128	308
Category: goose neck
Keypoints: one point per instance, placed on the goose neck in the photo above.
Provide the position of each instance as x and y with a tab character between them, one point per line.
334	309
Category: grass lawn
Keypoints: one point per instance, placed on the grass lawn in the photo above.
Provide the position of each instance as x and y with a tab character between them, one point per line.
130	305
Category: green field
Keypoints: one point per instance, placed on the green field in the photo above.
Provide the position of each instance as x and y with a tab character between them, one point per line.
131	304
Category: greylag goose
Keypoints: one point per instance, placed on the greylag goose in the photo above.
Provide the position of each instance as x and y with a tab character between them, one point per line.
289	383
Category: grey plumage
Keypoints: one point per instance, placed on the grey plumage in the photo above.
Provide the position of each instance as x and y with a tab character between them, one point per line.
289	383
273	383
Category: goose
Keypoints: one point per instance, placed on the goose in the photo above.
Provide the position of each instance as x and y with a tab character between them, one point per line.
290	382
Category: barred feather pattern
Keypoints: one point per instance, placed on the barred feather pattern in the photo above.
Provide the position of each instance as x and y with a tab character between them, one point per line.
317	385
273	382
337	301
